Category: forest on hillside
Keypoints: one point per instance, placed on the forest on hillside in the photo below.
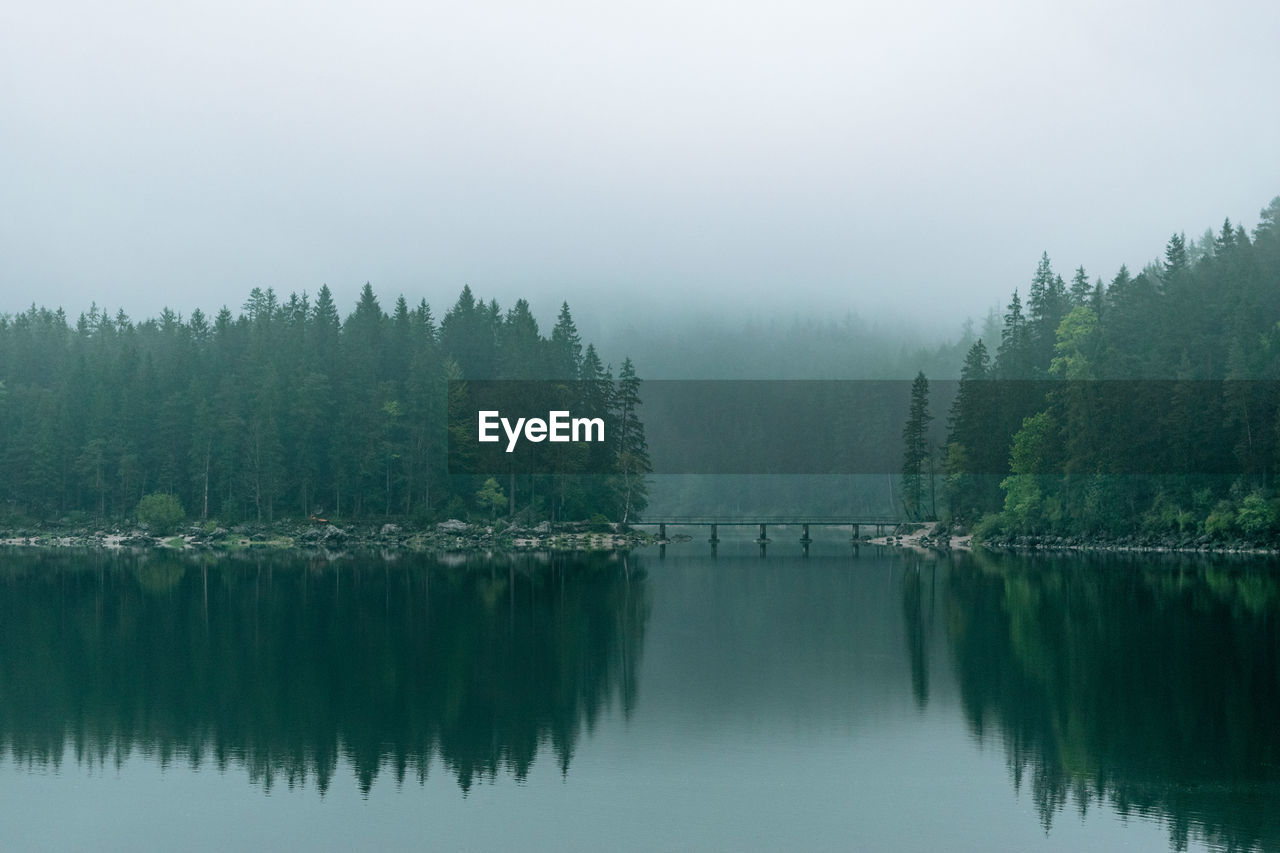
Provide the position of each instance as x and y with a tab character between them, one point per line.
1194	337
283	410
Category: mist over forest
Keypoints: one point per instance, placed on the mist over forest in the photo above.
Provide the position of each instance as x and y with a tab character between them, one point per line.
281	408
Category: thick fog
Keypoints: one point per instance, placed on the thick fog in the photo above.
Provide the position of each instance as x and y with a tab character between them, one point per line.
642	159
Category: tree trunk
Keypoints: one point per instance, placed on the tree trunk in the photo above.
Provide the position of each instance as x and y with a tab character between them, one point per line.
208	452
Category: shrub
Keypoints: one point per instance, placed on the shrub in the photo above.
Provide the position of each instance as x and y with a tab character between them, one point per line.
491	498
160	513
1255	517
1221	521
1166	516
990	524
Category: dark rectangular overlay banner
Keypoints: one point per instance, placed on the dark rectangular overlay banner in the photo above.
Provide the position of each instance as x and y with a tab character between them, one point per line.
848	426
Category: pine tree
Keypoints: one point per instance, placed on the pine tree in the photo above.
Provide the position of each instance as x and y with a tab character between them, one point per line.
632	448
975	446
1013	357
566	346
1226	241
1046	305
1175	256
1081	289
520	346
915	455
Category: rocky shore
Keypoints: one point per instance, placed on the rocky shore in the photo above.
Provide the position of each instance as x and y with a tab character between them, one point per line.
451	535
932	536
1155	543
456	535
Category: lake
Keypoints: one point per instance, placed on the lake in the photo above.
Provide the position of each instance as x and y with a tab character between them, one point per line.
852	700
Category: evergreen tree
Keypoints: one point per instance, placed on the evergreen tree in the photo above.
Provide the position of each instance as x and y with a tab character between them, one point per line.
976	450
1013	358
1175	256
566	346
1081	289
632	463
1047	304
916	456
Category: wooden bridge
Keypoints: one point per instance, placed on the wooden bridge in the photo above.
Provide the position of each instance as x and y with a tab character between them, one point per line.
804	522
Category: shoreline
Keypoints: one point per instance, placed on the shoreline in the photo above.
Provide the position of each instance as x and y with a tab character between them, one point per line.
452	535
459	536
927	538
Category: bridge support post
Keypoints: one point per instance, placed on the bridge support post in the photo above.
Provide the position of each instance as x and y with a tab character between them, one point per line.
804	539
662	531
714	540
855	531
764	536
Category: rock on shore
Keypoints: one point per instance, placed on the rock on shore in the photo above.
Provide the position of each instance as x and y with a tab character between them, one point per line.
450	535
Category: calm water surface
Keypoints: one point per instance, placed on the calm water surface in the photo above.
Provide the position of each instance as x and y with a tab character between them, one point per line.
878	701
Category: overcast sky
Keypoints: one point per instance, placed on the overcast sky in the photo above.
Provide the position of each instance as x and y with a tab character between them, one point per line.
816	157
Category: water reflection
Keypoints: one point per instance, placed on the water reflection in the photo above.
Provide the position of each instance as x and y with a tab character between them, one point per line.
844	693
286	666
919	587
1153	685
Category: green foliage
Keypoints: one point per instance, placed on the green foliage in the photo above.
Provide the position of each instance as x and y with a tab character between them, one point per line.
1076	345
1023	503
490	498
1256	515
1221	522
1166	516
160	513
989	525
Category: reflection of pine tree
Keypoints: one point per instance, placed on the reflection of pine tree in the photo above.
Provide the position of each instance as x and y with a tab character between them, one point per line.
480	665
917	625
1055	656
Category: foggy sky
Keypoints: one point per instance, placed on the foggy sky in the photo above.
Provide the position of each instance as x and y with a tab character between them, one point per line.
817	157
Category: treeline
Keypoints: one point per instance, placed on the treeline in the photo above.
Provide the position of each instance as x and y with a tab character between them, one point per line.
1039	461
283	410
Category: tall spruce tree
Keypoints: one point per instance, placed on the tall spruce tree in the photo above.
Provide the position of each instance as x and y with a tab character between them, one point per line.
566	346
1081	289
632	462
916	456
